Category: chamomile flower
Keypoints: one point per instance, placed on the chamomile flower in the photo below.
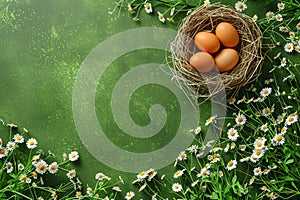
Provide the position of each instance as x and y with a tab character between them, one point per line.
203	173
41	167
265	92
254	18
116	188
231	165
278	139
18	138
73	156
3	152
31	143
283	130
151	175
129	195
253	158
176	187
99	176
242	147
71	174
270	15
172	11
220	173
195	183
264	127
268	81
148	7
231	100
280	6
266	171
197	130
178	173
232	134
240	6
258	153
206	3
259	144
279	17
244	159
53	168
192	149
291	119
266	112
289	47
210	120
271	196
9	167
298	26
130	9
22	177
161	17
264	188
292	34
10	146
240	119
20	167
283	29
182	156
257	171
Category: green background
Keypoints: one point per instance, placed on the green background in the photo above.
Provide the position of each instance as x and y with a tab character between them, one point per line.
42	45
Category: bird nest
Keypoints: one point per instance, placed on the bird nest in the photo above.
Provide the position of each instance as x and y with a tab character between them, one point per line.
249	49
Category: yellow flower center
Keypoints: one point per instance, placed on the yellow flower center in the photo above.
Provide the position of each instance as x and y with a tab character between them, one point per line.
42	167
230	164
279	138
240	119
2	151
31	142
259	144
232	133
257	152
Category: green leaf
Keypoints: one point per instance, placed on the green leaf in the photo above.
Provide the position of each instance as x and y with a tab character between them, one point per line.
212	196
289	161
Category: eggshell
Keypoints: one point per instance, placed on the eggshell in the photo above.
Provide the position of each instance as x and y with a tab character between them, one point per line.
202	62
226	59
227	34
208	42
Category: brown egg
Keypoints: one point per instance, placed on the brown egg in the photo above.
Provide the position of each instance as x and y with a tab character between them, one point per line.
208	42
202	62
227	34
226	59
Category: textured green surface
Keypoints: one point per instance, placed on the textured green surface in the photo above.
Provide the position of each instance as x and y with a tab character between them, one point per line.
42	45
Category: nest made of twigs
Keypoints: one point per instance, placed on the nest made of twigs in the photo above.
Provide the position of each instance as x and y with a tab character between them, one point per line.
249	49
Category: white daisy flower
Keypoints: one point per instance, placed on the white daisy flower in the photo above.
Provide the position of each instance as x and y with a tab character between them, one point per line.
41	167
100	176
292	34
176	187
297	48
283	62
161	17
142	175
53	168
220	173
31	143
289	47
116	188
206	3
232	134
266	112
266	171
151	175
182	156
71	174
244	159
231	165
254	18
18	138
268	81
242	147
280	5
232	145
172	11
257	171
291	119
130	10
240	119
143	187
195	183
210	120
129	195
23	177
270	15
259	144
9	167
278	139
240	6
28	180
3	152
192	149
265	91
73	156
283	130
197	130
1	142
258	153
298	26
283	29
148	7
20	167
254	158
10	146
264	127
231	100
279	17
203	173
271	196
264	188
226	149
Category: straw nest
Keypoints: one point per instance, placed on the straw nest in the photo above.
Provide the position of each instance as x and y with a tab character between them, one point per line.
249	49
